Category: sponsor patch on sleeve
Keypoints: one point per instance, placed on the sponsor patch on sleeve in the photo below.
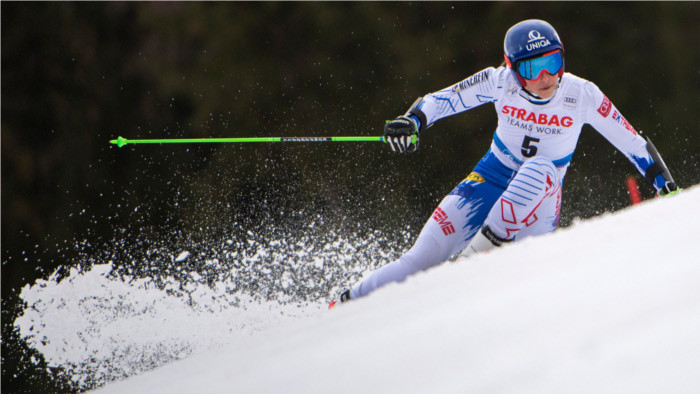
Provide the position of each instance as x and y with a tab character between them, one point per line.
605	106
617	117
474	80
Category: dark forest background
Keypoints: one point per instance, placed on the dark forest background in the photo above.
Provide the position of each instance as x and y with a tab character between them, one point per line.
75	75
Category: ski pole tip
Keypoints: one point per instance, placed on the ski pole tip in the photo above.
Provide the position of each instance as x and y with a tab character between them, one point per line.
120	141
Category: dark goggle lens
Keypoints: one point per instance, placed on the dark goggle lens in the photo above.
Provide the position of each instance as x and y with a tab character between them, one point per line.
533	68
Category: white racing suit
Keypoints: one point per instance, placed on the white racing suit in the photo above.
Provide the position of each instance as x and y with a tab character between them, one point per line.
516	188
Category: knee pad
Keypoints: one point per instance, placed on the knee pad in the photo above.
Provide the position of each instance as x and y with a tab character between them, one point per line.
536	180
539	162
540	169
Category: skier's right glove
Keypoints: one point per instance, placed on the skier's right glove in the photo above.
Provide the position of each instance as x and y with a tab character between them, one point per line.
402	134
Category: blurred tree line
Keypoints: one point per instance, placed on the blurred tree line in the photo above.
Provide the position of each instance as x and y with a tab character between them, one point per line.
75	75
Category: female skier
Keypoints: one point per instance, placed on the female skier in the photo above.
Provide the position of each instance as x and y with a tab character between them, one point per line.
515	190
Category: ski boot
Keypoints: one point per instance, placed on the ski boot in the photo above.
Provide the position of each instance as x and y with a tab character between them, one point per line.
344	297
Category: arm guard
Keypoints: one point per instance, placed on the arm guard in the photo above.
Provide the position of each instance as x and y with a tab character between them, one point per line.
658	167
416	111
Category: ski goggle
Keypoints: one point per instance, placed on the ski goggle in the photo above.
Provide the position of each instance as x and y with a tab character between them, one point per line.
532	69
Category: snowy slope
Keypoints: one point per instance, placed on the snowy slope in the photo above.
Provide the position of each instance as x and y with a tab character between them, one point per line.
609	305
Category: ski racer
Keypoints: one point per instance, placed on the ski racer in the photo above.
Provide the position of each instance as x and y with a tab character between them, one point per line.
515	190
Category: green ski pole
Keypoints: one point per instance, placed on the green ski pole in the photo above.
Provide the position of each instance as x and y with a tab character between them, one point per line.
121	141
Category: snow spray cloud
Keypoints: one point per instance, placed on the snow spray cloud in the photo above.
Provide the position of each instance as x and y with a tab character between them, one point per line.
144	302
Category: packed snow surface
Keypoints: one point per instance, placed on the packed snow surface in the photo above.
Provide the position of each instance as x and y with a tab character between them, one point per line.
607	305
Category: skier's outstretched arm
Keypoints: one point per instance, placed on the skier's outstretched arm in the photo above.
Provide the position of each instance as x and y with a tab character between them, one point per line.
610	123
483	87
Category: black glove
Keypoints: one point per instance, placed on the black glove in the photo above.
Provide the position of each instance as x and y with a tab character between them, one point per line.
668	189
402	134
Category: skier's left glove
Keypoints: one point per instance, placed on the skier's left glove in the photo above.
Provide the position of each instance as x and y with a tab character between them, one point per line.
668	189
402	134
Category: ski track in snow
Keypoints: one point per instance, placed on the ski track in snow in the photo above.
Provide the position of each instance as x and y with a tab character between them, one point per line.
610	304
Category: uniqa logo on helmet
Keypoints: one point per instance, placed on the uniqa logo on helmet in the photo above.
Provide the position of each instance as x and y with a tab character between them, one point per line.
536	41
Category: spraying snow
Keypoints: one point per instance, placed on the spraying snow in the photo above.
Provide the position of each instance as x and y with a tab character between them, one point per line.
118	318
611	304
